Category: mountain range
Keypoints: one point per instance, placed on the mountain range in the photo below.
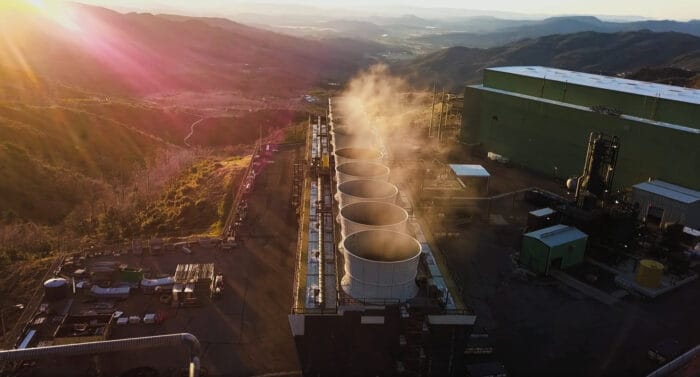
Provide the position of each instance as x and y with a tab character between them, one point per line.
110	52
500	32
603	53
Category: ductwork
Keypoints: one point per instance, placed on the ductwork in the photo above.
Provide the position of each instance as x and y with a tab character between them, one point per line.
111	346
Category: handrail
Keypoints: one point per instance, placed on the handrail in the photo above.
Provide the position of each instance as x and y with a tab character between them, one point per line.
111	346
676	363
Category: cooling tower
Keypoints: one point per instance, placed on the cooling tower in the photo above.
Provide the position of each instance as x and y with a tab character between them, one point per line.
361	216
364	190
346	137
357	154
380	264
361	170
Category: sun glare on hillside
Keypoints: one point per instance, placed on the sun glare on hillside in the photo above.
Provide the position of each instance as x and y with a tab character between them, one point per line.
54	11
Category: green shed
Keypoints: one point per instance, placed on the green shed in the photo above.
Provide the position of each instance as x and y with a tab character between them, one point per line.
556	247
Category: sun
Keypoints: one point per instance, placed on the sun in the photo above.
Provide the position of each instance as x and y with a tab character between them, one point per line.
53	10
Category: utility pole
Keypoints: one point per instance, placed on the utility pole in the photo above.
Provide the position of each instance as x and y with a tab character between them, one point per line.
442	110
446	109
432	111
2	320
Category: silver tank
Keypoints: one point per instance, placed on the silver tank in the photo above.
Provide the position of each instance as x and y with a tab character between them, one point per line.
380	264
361	216
344	155
364	190
361	170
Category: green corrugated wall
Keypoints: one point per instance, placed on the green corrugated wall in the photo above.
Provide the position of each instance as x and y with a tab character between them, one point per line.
536	256
542	135
648	107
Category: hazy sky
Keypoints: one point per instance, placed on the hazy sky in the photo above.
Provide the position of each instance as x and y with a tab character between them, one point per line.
656	9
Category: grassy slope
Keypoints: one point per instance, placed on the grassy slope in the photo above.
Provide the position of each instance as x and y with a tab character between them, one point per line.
50	157
197	201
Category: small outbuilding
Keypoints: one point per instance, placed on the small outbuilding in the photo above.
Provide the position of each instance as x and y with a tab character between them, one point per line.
662	202
474	178
542	218
555	247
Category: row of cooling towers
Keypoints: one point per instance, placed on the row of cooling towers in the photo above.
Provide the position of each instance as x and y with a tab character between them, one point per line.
381	258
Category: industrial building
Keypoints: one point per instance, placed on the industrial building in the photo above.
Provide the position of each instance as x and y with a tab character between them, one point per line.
661	203
541	118
555	247
371	297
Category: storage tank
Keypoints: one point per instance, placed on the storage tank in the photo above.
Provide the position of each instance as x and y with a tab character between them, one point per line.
361	216
366	190
649	273
345	137
343	155
380	264
361	170
56	289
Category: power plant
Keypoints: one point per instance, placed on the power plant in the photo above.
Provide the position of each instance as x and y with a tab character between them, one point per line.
375	277
371	296
540	118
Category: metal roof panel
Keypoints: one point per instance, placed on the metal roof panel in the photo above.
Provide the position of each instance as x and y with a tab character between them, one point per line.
557	235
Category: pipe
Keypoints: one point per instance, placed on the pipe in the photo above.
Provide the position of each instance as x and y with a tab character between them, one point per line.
110	346
676	363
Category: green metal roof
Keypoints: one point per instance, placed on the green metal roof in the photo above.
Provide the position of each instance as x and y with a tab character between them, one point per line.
557	235
669	92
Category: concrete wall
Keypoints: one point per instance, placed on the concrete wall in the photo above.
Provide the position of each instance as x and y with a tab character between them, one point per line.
551	137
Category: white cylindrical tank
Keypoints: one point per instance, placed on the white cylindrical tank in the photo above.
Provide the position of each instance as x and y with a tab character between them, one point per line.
361	216
361	170
380	264
357	154
366	190
56	289
346	137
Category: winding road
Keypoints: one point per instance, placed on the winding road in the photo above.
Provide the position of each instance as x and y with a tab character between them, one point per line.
191	131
